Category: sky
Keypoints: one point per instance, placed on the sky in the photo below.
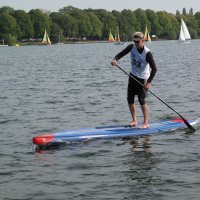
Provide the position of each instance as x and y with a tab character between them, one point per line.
170	6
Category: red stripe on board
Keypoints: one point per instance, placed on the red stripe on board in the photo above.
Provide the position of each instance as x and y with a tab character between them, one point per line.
178	120
42	140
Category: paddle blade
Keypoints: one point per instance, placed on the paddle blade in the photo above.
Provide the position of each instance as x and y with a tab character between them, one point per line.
189	125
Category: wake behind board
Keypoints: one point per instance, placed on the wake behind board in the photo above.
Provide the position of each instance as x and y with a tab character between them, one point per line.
110	132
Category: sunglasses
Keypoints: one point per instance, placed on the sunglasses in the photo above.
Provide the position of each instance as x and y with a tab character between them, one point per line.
136	41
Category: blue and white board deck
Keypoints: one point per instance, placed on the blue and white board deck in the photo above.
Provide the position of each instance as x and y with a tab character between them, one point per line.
117	131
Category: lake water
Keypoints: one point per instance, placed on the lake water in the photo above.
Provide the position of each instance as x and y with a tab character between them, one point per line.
53	88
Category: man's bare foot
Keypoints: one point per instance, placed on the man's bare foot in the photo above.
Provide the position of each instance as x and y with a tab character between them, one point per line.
144	126
133	123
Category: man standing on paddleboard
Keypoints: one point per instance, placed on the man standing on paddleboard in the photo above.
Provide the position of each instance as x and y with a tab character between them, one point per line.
143	70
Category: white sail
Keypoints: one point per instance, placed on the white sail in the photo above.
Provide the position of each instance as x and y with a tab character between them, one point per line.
181	35
184	33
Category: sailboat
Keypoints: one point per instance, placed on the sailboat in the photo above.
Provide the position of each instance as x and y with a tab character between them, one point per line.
110	37
184	34
117	39
46	39
147	37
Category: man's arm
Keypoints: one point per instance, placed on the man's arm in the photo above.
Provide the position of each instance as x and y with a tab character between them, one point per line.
150	60
121	54
124	52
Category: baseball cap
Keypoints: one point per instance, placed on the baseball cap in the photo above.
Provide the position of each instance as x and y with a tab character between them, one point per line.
137	36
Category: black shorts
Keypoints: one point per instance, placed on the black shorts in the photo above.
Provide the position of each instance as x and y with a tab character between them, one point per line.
134	88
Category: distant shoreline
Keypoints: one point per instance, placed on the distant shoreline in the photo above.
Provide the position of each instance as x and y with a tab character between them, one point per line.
73	42
68	42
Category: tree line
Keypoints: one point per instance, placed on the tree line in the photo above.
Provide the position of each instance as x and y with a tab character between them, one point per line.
71	23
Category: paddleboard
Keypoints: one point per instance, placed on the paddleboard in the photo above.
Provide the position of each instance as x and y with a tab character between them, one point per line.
117	131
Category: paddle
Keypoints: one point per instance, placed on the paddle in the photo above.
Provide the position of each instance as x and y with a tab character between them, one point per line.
184	120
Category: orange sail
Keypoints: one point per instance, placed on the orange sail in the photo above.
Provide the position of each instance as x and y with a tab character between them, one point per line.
111	38
147	37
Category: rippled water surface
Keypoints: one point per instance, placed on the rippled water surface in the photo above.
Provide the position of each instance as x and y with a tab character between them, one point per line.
59	87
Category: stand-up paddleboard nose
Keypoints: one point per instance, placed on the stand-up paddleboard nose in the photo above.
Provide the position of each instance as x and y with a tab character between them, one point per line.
42	140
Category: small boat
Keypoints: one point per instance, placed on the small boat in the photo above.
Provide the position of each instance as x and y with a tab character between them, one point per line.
46	39
58	43
117	39
147	37
184	34
110	37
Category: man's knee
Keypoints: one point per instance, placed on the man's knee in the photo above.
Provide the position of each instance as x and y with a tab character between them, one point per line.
141	100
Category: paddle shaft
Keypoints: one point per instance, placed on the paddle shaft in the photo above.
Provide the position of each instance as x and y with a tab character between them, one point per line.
185	121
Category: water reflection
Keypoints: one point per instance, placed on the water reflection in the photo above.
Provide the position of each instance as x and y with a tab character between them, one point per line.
141	143
141	165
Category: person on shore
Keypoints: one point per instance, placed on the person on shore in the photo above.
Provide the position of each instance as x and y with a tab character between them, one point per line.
143	69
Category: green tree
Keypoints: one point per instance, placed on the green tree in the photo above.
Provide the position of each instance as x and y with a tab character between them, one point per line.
177	13
10	40
8	25
7	9
168	24
130	23
40	21
71	22
82	20
96	31
174	28
117	16
23	20
152	17
84	26
197	17
56	33
191	11
108	22
66	22
142	19
184	11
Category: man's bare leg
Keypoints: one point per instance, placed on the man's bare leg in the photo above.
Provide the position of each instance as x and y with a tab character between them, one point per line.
146	116
133	114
